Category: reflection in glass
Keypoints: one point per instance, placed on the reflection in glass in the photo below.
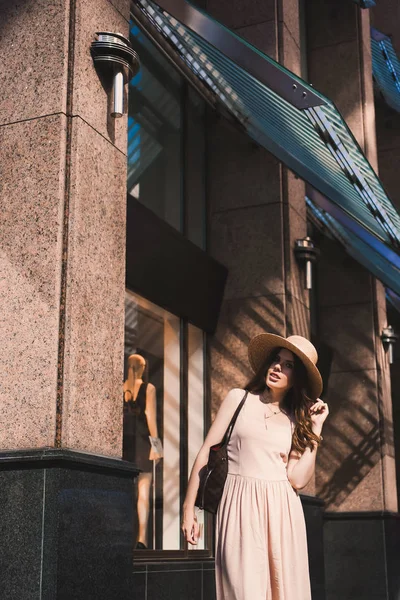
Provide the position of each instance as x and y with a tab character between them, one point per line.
154	133
140	435
166	143
152	408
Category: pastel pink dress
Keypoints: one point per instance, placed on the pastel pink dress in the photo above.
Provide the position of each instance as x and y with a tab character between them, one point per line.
261	545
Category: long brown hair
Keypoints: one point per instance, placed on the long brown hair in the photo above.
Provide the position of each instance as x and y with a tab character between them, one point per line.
296	403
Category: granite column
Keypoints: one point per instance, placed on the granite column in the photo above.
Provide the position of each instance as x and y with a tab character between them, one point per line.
63	264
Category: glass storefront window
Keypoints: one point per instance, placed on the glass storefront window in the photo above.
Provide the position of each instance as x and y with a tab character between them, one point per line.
166	173
154	133
156	355
166	142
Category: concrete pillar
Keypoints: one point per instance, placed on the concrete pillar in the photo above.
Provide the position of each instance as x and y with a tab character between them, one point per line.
64	195
356	468
62	297
257	210
352	464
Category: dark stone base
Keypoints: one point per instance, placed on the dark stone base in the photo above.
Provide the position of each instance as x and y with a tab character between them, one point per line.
314	515
362	556
175	580
66	526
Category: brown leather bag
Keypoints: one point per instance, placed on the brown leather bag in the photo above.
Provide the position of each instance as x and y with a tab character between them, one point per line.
213	474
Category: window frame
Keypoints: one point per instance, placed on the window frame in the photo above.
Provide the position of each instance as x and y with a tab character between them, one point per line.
143	556
184	553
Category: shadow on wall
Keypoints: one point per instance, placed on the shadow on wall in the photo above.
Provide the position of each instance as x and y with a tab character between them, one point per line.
239	321
354	433
244	317
351	451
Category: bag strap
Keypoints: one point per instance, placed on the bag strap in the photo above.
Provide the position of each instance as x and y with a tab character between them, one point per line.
231	425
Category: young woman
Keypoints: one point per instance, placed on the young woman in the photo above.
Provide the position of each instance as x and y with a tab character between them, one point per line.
261	546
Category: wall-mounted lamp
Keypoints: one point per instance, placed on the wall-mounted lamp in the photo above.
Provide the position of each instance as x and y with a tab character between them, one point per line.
389	338
305	251
113	55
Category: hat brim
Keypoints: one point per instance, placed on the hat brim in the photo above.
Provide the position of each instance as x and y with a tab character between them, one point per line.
261	347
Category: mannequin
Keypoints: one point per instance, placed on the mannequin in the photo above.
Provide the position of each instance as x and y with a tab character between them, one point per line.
140	422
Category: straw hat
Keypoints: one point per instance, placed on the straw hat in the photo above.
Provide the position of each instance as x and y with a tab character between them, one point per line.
262	345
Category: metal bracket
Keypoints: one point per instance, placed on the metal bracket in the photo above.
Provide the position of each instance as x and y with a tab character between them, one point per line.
306	251
113	54
389	339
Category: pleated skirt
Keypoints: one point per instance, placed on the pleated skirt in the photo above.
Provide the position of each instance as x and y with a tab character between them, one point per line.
261	544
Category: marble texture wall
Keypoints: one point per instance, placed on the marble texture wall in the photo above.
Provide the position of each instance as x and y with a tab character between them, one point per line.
63	242
94	329
33	162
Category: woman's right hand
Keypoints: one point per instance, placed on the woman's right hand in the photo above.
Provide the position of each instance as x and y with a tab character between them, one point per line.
190	526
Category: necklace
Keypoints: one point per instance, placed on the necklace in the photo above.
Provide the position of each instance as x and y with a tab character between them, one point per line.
273	412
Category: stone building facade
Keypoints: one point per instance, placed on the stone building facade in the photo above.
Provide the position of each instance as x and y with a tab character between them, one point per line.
169	232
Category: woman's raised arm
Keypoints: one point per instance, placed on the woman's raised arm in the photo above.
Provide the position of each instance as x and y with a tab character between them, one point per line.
300	469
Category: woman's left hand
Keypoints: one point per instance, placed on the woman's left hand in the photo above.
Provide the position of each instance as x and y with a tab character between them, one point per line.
155	456
318	412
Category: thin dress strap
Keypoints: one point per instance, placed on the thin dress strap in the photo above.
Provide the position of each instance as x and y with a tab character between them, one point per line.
132	399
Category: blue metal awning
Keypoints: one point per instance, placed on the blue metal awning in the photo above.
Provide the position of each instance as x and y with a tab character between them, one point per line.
277	109
365	3
362	246
386	68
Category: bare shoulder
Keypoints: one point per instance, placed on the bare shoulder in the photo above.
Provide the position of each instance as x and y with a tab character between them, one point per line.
234	396
226	410
150	387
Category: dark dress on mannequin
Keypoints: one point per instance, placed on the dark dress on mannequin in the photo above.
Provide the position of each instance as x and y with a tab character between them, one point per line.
136	443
